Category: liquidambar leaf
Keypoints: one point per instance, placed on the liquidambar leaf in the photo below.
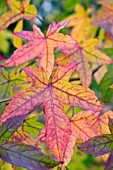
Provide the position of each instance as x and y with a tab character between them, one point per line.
84	55
41	46
53	95
104	19
17	11
82	29
25	156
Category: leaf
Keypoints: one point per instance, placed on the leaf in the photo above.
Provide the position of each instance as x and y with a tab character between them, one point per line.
53	95
104	19
25	155
2	57
110	125
32	126
17	11
8	127
84	55
41	46
16	40
98	145
10	84
105	84
105	2
99	123
81	121
4	44
89	124
82	29
109	163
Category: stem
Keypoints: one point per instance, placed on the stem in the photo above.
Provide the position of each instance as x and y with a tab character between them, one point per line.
4	100
42	22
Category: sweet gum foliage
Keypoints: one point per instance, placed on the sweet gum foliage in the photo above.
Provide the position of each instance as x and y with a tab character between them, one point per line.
56	83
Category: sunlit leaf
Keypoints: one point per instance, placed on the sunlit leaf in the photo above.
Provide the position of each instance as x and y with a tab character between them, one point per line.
41	46
85	54
82	29
80	121
53	95
4	44
17	11
16	40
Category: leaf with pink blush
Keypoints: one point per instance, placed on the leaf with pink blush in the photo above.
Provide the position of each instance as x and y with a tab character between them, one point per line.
42	47
17	11
100	124
85	54
104	19
80	121
53	95
100	145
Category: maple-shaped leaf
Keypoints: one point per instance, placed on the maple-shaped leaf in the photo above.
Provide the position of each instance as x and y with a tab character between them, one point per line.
17	11
85	54
41	46
104	19
100	145
53	95
25	156
80	22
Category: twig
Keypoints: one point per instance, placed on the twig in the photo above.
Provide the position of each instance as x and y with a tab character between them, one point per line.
4	100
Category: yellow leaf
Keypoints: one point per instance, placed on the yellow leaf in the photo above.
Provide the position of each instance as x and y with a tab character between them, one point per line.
16	40
81	24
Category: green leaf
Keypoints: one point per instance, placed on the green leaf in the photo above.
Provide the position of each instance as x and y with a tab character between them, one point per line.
8	127
25	156
105	83
98	145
